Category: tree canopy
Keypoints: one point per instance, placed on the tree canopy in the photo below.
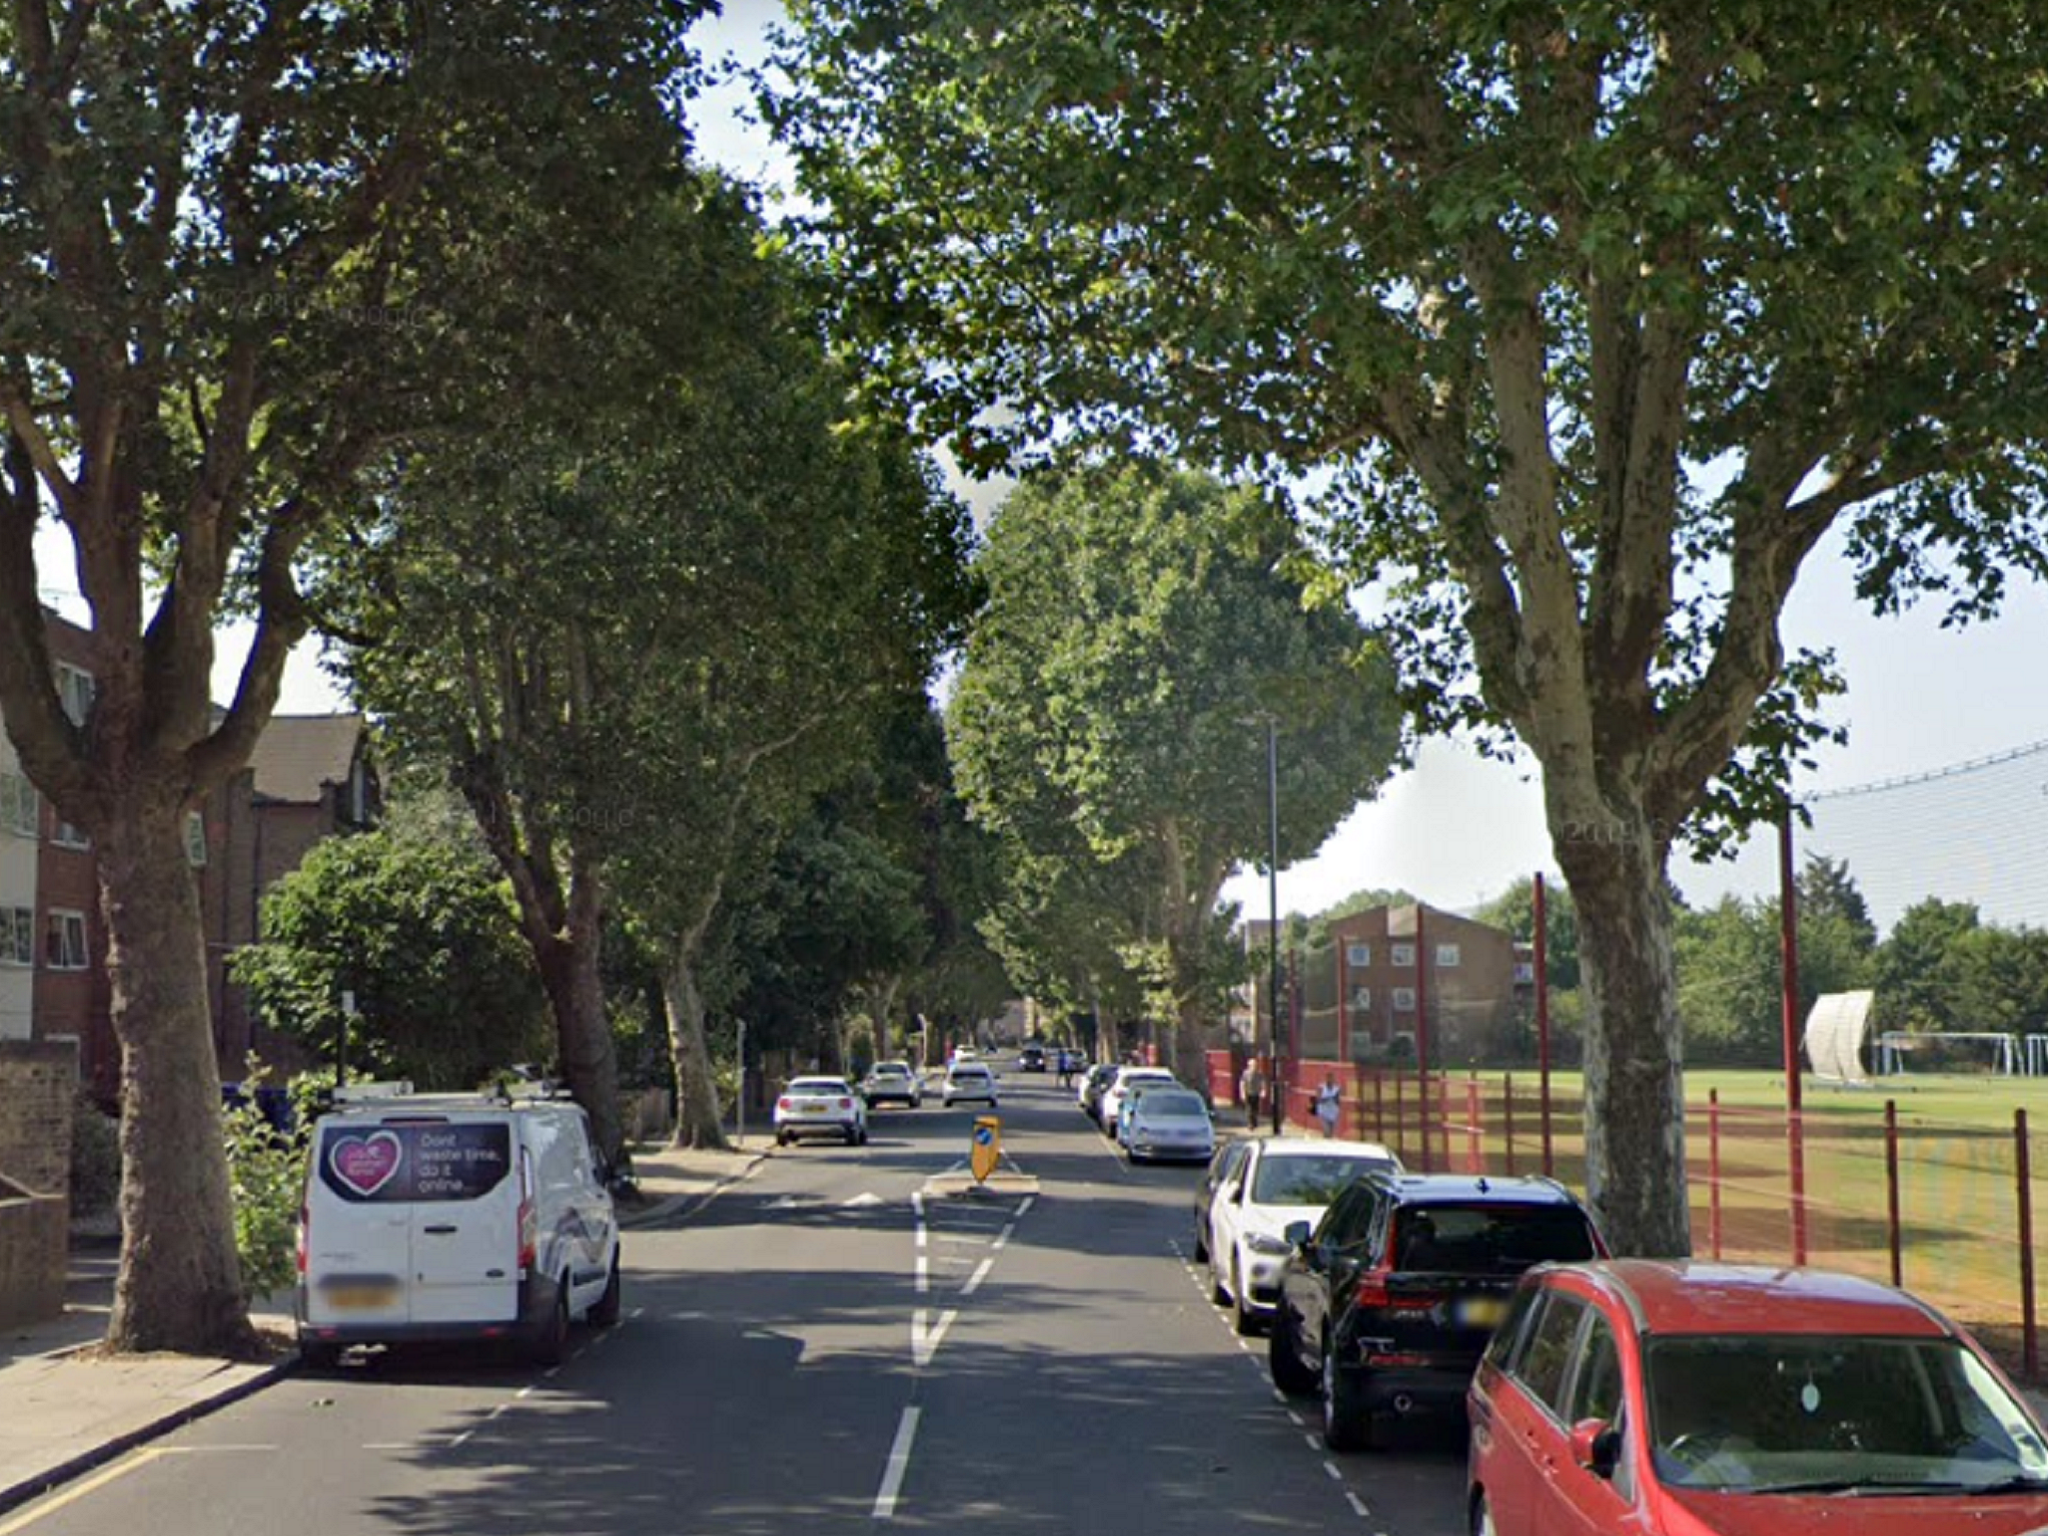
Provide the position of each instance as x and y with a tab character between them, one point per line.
1595	320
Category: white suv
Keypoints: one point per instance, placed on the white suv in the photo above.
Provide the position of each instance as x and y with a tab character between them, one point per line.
969	1080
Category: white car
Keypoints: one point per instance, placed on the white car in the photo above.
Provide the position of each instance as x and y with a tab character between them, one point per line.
820	1106
1112	1101
1165	1122
969	1080
1282	1179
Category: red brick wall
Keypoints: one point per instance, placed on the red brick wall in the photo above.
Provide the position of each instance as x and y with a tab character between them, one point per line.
38	1082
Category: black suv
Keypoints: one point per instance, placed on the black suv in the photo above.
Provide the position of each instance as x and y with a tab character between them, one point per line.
1389	1302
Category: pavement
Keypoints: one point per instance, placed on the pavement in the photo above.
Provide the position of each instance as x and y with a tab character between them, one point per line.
66	1411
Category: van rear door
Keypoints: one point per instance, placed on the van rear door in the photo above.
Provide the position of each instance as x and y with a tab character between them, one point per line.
465	1221
358	1228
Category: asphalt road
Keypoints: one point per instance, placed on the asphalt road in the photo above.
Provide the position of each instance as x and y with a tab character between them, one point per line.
824	1347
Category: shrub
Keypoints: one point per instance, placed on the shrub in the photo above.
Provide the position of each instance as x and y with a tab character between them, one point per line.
266	1176
95	1159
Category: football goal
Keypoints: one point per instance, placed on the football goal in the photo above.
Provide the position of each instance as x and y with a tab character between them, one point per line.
1998	1051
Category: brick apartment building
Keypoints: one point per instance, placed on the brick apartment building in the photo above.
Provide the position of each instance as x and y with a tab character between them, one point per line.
1389	967
310	777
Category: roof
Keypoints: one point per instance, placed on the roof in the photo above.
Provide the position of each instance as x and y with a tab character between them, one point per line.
1477	1189
1682	1297
298	755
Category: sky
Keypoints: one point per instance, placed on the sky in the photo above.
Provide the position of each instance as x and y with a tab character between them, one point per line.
1456	829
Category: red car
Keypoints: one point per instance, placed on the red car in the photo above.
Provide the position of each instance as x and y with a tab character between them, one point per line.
1683	1399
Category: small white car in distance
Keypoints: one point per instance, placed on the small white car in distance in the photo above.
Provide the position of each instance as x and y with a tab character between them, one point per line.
1282	1179
1112	1101
820	1106
969	1080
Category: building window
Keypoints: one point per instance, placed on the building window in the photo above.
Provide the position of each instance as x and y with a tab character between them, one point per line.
17	936
195	839
1447	957
1361	999
64	941
1403	956
68	836
1404	999
20	807
1358	956
75	690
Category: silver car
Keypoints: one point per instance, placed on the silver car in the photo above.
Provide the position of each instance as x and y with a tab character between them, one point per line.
1169	1123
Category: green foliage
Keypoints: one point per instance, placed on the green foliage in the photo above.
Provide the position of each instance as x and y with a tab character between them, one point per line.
1911	990
267	1179
1730	968
95	1158
1514	910
425	935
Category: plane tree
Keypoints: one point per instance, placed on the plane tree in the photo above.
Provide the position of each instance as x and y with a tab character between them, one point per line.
246	251
1593	320
1141	628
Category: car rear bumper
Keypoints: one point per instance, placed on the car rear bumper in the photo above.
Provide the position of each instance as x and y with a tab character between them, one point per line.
810	1125
537	1295
1416	1389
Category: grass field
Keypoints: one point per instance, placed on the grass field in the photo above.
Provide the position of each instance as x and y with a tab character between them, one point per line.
1957	1182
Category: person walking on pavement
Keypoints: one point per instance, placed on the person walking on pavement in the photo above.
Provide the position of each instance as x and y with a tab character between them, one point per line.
1328	1105
1253	1088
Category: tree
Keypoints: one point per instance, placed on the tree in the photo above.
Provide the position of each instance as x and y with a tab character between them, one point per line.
1139	630
1730	963
1597	320
424	933
244	251
1826	888
1514	910
1907	969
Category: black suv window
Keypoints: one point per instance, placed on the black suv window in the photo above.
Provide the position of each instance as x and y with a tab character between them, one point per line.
1348	1219
1490	1239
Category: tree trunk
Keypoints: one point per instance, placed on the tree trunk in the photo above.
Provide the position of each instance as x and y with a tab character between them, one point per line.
698	1122
180	1282
1634	1046
571	974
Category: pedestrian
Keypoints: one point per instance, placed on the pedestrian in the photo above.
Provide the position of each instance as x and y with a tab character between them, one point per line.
1253	1087
1066	1067
1329	1102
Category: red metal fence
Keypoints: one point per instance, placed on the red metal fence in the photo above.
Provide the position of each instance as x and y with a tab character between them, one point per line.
1944	1209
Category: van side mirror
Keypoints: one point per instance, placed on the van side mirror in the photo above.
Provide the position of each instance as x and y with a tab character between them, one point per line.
1297	1233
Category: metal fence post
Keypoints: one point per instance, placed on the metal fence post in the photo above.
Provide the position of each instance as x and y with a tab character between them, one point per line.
1891	1185
1714	1171
1475	1138
2024	1174
1507	1105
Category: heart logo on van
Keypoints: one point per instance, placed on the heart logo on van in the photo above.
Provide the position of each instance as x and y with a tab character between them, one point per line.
366	1163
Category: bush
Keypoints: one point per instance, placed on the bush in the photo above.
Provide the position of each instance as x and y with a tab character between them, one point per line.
95	1159
266	1177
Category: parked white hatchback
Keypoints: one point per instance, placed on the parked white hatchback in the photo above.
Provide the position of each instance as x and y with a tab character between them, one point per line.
1112	1101
1282	1179
820	1106
431	1217
1162	1122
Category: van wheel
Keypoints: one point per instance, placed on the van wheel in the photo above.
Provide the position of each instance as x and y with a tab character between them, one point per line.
319	1354
604	1312
553	1341
782	1138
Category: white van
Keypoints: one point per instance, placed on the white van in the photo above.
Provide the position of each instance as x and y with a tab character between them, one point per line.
447	1217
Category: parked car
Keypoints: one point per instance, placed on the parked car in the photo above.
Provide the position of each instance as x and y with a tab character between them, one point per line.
1386	1304
892	1082
448	1217
1223	1167
820	1106
1168	1124
1279	1181
1094	1083
969	1080
1658	1397
1112	1100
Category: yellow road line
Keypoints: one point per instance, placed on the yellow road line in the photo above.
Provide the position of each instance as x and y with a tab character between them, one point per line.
72	1495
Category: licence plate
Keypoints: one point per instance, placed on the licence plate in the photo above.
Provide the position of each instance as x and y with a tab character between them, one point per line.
814	1109
1482	1312
359	1298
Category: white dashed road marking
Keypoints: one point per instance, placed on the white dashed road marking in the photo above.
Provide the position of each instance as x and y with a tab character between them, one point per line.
898	1464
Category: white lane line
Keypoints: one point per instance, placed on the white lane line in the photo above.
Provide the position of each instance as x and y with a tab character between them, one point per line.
1335	1475
524	1392
1281	1398
636	1312
924	1342
898	1464
459	1439
1028	1200
1313	1443
1292	1417
924	1274
980	1275
1008	1232
551	1373
1358	1505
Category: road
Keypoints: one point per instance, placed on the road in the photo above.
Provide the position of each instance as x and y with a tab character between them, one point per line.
824	1347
